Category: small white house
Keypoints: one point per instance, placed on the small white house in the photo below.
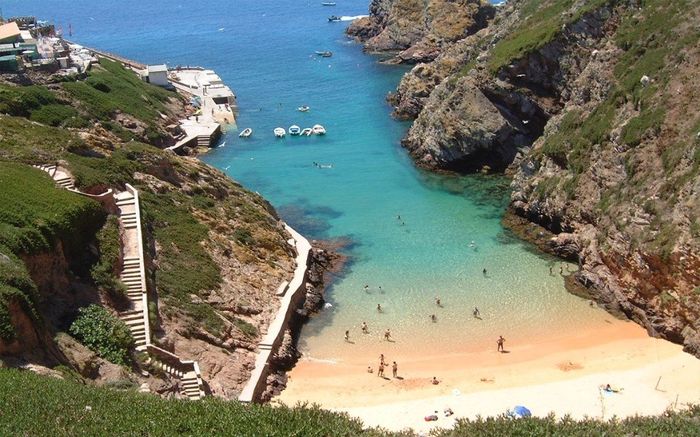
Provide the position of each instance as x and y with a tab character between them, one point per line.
157	75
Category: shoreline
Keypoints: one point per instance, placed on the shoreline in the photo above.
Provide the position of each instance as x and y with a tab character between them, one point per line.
561	376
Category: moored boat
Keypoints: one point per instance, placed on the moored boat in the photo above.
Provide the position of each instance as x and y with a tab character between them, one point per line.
325	53
245	133
327	3
307	131
303	108
279	132
294	130
334	18
318	130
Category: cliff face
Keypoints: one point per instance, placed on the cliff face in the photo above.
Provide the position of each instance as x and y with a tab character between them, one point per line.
418	30
590	107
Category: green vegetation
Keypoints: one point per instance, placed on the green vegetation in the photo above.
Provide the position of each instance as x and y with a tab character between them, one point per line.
102	332
37	405
245	327
109	245
16	287
543	20
36	213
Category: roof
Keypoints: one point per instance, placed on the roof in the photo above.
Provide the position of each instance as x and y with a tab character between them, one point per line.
162	68
9	30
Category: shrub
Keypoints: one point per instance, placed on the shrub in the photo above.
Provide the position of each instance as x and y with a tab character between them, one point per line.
109	245
55	115
102	332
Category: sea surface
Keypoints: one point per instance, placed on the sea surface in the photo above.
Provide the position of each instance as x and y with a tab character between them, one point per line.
410	236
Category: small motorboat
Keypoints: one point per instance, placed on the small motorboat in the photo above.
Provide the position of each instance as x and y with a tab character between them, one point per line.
307	131
325	53
327	3
303	108
294	130
246	133
318	130
279	132
333	18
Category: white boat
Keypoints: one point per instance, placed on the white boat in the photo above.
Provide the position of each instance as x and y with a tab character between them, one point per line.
303	108
318	130
279	132
246	133
294	130
307	131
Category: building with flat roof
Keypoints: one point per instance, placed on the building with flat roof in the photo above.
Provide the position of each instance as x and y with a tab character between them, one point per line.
157	75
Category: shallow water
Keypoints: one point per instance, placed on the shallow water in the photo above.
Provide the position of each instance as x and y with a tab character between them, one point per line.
265	52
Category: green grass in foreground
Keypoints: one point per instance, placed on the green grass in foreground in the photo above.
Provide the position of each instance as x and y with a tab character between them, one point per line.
34	405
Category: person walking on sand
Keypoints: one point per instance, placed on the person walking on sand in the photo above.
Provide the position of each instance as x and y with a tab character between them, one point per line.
380	371
394	369
387	335
500	343
347	335
364	328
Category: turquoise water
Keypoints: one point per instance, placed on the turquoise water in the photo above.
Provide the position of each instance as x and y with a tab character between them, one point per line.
264	51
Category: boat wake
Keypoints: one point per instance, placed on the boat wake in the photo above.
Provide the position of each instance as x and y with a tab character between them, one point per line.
351	18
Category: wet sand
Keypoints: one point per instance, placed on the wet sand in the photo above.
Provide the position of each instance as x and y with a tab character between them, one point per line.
561	374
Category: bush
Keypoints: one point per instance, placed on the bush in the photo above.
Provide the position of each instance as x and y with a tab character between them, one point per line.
54	115
109	245
102	332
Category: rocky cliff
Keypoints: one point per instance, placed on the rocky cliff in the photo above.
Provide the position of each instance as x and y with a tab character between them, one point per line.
418	30
590	107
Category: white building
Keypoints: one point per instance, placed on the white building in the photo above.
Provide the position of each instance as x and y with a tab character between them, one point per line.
157	75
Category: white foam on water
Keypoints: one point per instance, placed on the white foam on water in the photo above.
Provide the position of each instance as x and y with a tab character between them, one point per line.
351	18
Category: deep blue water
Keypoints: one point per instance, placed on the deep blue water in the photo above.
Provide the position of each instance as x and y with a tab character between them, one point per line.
265	51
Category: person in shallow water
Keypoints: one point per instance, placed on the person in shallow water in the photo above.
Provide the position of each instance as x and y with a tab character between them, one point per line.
387	335
347	335
476	312
379	308
437	302
500	343
484	272
364	328
433	318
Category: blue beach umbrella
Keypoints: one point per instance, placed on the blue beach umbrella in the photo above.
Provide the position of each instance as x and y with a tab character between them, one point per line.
520	411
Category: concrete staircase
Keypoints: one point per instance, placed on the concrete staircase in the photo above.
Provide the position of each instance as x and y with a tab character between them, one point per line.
191	385
62	178
133	274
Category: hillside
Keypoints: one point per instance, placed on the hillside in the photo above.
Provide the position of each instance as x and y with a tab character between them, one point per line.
590	107
216	253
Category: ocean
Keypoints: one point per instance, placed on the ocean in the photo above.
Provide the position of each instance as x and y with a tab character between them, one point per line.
411	236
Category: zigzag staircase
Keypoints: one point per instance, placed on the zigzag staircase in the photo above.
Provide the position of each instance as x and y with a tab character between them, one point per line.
133	275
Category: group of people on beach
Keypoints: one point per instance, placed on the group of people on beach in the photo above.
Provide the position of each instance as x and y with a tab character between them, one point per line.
383	365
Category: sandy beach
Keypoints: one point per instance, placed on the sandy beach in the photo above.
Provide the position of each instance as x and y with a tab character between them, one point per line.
562	374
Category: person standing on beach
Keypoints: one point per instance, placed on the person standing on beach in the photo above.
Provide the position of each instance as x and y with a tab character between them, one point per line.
394	369
500	343
476	313
380	371
387	335
433	318
347	335
437	301
364	328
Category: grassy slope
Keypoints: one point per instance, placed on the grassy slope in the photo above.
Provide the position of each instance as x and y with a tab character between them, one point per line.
36	405
35	214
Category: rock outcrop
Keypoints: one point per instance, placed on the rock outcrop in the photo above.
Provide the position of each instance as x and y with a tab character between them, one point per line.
418	30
